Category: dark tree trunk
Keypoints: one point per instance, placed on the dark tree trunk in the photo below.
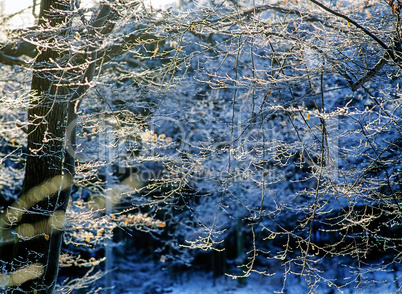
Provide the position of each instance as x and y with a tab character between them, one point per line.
47	117
50	164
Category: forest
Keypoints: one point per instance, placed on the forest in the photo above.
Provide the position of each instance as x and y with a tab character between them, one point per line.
210	146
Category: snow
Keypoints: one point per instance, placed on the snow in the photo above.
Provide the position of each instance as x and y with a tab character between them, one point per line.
149	278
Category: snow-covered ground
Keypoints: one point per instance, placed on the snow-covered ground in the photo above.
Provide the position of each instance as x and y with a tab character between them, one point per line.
132	275
142	279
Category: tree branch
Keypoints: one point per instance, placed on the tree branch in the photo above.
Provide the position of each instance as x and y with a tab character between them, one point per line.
367	32
73	104
379	65
10	52
10	60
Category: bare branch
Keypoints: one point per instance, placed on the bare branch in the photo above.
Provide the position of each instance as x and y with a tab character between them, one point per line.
10	60
367	32
368	76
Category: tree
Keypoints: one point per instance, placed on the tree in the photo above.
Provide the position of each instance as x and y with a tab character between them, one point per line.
270	114
50	166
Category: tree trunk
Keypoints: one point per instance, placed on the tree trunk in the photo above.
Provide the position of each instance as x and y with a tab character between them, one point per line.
38	215
47	117
50	165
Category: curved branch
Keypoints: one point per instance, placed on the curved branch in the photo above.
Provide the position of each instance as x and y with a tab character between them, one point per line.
367	32
73	104
10	60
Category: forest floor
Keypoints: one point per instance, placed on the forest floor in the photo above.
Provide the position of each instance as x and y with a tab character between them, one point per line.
151	278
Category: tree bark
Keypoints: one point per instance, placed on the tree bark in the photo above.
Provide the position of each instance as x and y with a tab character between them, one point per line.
46	134
50	164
